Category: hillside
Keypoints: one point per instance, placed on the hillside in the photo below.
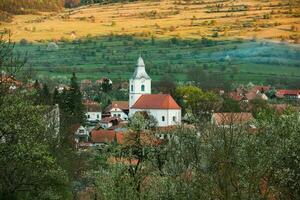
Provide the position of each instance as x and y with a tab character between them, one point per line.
115	57
218	19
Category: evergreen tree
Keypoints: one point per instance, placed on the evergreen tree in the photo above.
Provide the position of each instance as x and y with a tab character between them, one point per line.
45	95
74	101
56	97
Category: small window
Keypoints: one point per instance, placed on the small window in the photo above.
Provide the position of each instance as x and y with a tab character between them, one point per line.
174	118
143	88
115	115
131	87
119	115
97	116
163	118
89	116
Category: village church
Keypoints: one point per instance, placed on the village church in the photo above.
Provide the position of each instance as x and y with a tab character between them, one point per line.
161	106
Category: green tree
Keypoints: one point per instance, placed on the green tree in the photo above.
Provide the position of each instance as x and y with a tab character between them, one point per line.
28	168
201	104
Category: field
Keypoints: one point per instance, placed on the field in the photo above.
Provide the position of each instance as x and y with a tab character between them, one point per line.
115	57
219	19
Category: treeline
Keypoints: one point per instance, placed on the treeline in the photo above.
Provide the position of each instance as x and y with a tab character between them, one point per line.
30	6
75	3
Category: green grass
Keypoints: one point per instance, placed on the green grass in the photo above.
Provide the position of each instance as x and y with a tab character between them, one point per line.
116	57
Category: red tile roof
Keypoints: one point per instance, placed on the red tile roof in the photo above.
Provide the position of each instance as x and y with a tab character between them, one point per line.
236	96
91	106
123	105
103	136
282	93
156	101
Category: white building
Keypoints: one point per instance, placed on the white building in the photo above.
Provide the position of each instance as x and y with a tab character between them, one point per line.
119	109
92	110
161	106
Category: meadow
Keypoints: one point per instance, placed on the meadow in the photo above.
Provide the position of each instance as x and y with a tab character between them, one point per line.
91	58
218	19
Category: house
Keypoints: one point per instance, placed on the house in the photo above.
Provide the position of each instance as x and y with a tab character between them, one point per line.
161	106
119	109
92	110
288	94
85	83
108	122
9	82
101	137
102	80
227	120
81	134
255	92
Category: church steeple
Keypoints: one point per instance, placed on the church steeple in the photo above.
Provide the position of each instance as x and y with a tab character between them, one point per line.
140	82
140	71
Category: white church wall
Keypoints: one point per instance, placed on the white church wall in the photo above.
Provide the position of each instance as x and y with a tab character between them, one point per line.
164	117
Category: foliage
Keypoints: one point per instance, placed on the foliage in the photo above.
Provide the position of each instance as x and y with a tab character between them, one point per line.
25	7
11	61
28	168
199	103
220	163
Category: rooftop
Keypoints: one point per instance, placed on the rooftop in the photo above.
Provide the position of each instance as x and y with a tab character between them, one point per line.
156	101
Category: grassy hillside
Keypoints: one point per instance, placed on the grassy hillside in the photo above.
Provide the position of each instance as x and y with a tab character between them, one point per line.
115	57
217	19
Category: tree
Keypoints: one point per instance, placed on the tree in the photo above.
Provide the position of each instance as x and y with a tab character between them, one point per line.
11	61
71	103
106	85
166	85
230	105
201	104
72	3
28	169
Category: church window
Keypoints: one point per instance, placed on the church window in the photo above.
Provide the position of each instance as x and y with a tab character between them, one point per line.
88	116
163	118
97	116
131	87
174	118
143	88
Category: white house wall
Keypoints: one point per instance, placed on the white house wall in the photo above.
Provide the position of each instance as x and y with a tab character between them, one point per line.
93	116
118	113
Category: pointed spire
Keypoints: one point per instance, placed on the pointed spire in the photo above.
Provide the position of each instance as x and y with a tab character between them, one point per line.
140	71
140	62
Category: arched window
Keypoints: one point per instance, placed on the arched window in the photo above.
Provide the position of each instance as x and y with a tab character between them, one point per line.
131	87
143	88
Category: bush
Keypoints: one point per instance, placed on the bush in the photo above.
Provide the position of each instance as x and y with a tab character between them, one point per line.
23	42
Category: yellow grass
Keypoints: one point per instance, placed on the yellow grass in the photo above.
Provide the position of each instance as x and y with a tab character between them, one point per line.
172	20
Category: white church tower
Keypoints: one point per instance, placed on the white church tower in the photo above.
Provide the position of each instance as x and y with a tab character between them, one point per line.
140	82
